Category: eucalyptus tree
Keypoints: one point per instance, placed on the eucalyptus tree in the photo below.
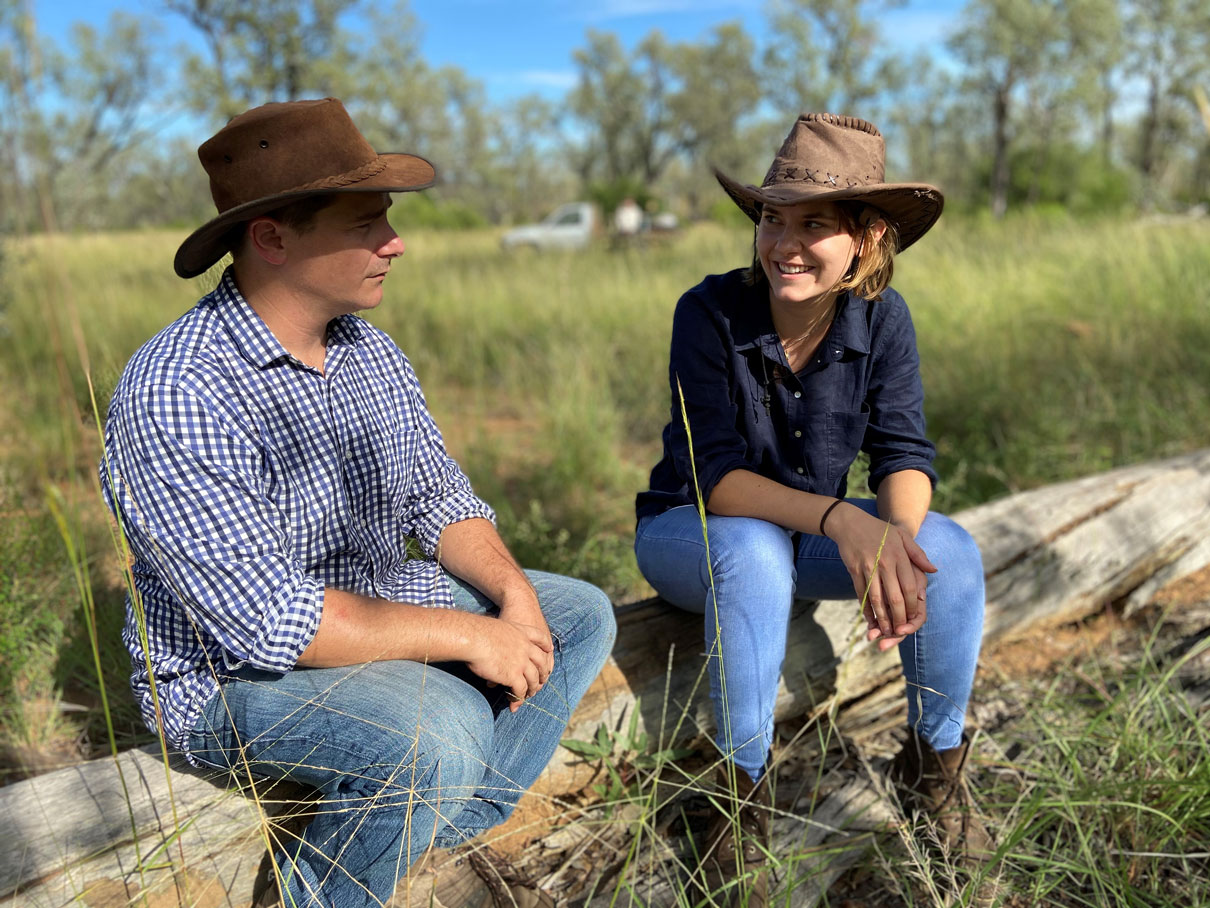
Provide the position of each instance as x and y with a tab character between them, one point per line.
663	102
271	50
1168	48
1005	45
69	116
622	101
826	55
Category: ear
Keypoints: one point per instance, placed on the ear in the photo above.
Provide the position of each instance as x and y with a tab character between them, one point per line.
877	229
266	238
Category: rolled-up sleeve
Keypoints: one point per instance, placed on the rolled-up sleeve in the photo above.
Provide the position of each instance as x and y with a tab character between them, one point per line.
895	437
187	488
700	368
440	493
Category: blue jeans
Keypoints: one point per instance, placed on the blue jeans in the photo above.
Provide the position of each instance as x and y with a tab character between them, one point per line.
757	575
404	755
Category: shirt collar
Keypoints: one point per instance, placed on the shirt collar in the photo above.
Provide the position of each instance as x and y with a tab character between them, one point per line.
256	343
753	328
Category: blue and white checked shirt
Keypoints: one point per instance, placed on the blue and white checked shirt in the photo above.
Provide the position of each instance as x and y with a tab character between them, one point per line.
248	482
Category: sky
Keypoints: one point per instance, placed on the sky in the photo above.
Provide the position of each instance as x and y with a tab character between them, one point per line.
516	47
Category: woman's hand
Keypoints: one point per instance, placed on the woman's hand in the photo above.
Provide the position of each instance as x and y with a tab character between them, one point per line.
891	582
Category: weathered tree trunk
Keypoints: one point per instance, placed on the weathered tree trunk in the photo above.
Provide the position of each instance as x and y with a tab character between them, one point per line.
1000	164
1052	555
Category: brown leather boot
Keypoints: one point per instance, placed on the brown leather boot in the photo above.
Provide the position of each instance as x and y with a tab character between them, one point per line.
746	813
933	782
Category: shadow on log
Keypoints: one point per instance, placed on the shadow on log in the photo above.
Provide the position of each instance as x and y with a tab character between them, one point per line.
1051	556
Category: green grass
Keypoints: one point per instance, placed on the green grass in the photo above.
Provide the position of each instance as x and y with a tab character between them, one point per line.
1050	349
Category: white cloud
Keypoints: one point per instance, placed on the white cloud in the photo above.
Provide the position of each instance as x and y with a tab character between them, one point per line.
548	78
622	9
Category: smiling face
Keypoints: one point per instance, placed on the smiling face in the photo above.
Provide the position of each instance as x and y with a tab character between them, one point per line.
340	262
804	249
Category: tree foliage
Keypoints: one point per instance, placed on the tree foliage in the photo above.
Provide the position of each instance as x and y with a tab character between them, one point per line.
1087	104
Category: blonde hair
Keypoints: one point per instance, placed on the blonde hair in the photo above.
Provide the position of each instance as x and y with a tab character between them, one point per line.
873	263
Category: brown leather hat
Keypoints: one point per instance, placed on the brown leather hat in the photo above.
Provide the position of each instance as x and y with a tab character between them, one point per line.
837	159
275	154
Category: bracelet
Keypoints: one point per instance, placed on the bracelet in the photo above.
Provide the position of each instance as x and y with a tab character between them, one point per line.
824	518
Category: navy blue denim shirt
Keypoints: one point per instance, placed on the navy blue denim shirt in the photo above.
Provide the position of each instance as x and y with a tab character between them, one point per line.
748	411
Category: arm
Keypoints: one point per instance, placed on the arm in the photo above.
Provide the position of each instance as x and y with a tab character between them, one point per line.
473	550
901	455
456	528
904	498
893	580
355	629
515	650
183	479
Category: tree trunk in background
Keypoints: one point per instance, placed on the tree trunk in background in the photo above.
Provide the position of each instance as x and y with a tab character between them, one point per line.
1000	173
1149	132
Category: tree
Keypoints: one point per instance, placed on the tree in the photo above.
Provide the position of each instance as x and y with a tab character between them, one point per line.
1168	47
825	55
401	103
623	100
664	102
1098	49
272	50
1005	44
529	155
73	115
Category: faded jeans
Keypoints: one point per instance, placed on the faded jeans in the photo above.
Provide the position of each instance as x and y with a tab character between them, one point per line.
404	755
757	576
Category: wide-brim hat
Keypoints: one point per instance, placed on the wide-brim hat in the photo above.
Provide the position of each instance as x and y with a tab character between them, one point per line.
838	159
279	153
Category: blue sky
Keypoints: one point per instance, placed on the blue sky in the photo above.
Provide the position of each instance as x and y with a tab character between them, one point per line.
521	46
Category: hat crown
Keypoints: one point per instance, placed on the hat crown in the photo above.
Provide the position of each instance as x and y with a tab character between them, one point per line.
830	151
285	147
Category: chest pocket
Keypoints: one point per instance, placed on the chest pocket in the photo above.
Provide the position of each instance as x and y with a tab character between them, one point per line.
845	431
399	456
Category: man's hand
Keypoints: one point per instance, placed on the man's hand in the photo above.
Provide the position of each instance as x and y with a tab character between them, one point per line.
473	550
515	656
520	606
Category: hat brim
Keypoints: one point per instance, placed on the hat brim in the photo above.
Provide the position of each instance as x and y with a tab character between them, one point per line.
207	244
914	207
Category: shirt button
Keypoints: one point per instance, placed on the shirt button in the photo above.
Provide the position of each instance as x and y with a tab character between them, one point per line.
800	469
798	433
349	455
798	394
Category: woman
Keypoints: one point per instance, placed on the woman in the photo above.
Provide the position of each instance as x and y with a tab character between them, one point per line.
788	369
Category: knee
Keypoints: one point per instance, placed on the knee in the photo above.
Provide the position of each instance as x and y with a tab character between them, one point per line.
439	736
744	547
453	746
956	554
579	614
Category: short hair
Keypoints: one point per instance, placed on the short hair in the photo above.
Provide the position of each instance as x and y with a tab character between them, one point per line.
874	263
299	216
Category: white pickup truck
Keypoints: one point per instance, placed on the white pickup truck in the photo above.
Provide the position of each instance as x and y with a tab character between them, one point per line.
570	226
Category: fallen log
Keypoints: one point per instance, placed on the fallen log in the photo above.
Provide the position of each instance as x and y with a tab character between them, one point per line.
100	833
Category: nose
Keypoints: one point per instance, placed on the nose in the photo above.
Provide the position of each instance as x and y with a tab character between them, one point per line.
787	239
393	247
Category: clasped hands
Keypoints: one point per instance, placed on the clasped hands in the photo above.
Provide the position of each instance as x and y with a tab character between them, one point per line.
893	580
515	649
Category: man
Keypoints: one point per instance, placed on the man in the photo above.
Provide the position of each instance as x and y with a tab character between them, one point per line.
627	221
270	456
